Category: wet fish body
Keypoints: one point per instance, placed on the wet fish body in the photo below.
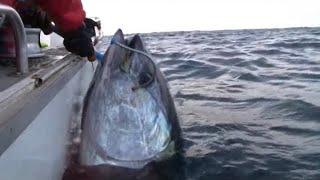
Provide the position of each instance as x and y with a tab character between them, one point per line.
129	117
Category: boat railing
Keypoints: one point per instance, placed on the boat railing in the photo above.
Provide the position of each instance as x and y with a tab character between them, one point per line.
8	13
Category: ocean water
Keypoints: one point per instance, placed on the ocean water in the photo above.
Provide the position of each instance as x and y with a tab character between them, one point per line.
248	101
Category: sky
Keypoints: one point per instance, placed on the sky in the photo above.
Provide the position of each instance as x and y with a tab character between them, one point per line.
140	16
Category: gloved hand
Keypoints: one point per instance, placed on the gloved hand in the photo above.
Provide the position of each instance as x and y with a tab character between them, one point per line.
79	42
90	26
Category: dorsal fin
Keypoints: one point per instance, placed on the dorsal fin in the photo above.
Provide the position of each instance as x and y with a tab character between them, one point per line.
136	43
118	37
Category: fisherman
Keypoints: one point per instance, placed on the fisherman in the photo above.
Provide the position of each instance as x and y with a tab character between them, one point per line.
67	15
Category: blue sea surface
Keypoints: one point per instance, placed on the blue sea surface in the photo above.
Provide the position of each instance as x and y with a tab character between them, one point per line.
248	101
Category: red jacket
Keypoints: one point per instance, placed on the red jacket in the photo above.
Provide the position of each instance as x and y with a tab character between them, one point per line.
67	14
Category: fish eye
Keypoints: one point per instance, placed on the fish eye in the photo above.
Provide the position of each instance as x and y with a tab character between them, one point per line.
144	78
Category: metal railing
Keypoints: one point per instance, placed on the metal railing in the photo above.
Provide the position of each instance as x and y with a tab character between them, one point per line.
19	36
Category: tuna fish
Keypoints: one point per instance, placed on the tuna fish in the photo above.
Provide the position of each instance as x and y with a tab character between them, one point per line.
129	117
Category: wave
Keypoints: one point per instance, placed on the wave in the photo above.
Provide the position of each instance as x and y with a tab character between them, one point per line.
260	63
269	52
295	45
295	131
293	109
250	77
200	97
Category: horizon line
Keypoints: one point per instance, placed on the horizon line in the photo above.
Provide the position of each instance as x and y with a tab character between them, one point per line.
206	30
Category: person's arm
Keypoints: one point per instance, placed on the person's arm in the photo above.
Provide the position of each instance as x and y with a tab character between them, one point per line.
68	15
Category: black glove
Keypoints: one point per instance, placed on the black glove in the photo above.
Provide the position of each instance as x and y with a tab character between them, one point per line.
79	42
90	26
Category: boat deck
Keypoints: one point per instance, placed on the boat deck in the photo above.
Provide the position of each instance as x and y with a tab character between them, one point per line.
8	72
